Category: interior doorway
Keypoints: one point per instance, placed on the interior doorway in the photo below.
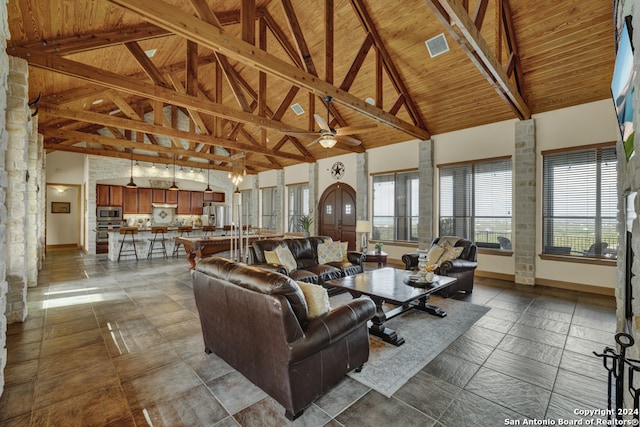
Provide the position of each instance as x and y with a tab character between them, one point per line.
337	214
64	220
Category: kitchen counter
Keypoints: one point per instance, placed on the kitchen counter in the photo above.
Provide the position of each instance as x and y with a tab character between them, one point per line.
144	236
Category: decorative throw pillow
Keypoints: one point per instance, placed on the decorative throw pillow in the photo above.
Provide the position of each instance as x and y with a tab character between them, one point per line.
434	255
317	299
271	257
286	258
450	253
345	249
329	252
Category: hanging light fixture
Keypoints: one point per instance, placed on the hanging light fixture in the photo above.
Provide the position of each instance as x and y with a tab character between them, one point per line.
208	190
131	184
237	169
174	187
327	141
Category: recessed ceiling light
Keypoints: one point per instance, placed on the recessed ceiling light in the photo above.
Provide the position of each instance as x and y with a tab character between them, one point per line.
297	108
150	52
370	101
111	113
98	101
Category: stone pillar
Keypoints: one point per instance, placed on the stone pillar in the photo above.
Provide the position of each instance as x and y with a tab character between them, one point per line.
362	186
4	71
313	197
32	203
279	200
524	212
19	130
425	176
255	200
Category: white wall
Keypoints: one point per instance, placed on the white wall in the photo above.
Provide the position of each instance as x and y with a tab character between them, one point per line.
63	229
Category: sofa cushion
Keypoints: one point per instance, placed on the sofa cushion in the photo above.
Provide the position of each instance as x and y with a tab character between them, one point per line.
317	299
272	257
303	275
434	254
330	252
324	271
286	258
450	253
345	250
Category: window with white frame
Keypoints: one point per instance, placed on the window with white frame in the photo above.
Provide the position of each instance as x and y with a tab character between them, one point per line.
476	202
580	202
395	206
245	199
269	208
298	204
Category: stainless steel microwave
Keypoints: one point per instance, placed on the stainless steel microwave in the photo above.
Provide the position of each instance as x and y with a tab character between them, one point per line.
109	213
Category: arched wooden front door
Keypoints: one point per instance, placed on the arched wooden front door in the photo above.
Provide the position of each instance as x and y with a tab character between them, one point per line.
337	214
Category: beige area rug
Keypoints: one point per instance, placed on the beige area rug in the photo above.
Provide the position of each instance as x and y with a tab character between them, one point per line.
390	367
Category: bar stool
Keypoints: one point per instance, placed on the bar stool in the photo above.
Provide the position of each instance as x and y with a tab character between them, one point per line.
182	230
208	229
125	250
161	248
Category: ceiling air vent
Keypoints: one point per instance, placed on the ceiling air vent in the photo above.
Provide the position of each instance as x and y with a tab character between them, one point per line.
297	108
437	45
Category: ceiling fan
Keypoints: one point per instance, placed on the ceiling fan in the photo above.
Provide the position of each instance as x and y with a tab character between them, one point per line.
330	136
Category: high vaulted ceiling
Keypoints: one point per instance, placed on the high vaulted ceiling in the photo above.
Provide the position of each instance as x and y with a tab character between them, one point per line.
226	73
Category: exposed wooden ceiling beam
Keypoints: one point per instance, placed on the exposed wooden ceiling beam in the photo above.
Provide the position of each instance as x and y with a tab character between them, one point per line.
207	35
128	85
462	28
138	126
396	79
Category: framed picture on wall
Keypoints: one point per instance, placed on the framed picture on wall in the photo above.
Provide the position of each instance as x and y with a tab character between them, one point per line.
60	207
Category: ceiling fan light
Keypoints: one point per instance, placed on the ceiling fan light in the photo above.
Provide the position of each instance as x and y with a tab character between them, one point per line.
328	142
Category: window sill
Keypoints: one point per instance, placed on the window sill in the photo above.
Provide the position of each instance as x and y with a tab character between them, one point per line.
401	243
497	252
611	262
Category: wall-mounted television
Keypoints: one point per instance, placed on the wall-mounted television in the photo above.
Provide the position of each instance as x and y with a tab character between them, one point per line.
622	86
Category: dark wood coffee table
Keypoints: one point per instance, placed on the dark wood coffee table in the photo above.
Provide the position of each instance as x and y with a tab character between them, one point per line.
388	285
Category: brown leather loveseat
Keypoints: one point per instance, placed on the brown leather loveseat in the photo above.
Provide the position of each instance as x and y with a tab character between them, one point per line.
257	321
305	253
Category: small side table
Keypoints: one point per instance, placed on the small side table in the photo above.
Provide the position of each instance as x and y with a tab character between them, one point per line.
380	258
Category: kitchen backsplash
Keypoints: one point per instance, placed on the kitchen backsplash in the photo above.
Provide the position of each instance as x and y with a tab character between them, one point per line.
161	216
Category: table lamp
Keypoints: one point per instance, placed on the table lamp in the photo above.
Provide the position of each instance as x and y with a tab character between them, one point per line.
363	226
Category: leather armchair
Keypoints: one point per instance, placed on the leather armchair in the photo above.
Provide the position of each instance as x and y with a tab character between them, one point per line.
257	322
462	268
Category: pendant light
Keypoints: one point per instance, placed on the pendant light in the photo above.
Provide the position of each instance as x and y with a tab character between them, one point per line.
208	190
131	184
174	187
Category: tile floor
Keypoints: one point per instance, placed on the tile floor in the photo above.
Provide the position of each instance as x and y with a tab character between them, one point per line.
119	344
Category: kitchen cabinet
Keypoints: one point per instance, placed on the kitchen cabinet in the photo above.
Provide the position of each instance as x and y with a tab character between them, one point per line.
108	195
207	197
130	201
171	197
196	202
184	202
218	197
144	201
158	195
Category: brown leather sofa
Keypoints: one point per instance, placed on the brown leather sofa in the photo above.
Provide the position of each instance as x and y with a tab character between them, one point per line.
305	252
257	322
462	268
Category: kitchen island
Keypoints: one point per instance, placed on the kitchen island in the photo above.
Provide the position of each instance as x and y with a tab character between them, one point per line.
196	245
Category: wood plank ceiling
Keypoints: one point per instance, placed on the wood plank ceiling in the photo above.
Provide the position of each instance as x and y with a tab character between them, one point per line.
224	74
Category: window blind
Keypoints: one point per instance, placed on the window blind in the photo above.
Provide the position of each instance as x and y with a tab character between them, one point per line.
580	202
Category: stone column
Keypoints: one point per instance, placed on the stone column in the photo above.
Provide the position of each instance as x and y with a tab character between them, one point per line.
19	130
279	200
4	71
425	176
313	197
33	207
362	186
524	212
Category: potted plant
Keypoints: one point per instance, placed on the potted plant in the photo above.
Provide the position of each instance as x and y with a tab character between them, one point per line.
378	247
305	222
